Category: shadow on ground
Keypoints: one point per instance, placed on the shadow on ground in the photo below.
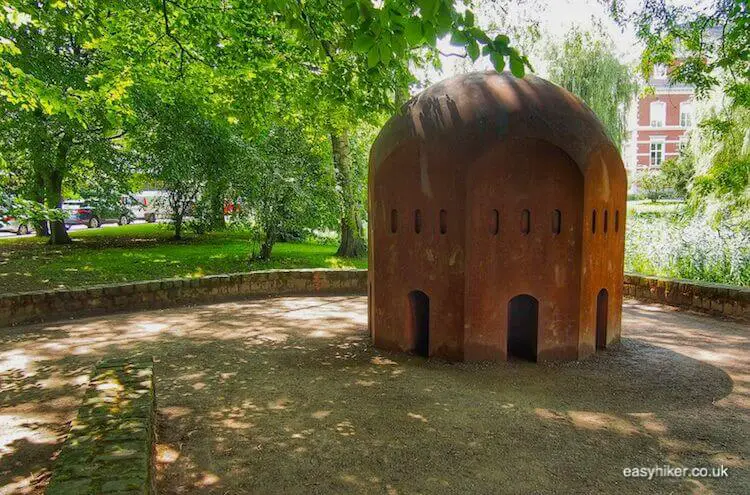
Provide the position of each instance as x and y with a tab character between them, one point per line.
286	395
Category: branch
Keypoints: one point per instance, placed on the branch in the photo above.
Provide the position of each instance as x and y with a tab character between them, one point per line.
322	42
459	55
117	136
170	35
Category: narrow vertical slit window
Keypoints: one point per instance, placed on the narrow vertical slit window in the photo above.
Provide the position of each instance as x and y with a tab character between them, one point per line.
494	222
606	220
394	221
593	222
526	222
443	221
417	221
556	222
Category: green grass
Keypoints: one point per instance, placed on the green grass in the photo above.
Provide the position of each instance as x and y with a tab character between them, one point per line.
145	252
661	207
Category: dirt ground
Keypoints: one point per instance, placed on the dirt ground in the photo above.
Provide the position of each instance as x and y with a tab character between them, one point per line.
287	396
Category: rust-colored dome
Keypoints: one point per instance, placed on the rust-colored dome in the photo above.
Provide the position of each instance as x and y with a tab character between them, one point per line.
459	114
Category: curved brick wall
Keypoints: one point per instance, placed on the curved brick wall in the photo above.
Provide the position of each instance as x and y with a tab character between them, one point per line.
32	307
718	299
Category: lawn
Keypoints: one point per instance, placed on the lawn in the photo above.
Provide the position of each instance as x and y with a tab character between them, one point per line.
145	252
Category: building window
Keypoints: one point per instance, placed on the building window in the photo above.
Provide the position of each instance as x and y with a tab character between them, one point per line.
394	221
606	220
417	221
593	221
660	71
686	114
556	222
656	153
657	113
526	222
494	222
443	221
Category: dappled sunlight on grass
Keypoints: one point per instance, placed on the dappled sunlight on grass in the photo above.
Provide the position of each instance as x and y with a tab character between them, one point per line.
146	252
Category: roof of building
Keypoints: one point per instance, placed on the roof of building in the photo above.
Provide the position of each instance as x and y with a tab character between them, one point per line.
462	113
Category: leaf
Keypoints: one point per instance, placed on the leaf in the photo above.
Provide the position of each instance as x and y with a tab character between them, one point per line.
498	61
479	35
444	20
473	50
385	53
430	36
363	42
351	13
428	8
516	66
469	18
373	57
413	31
501	43
458	38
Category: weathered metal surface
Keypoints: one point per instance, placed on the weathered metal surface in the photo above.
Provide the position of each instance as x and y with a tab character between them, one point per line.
490	183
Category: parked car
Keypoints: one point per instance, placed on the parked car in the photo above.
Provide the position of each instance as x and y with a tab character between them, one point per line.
11	224
94	214
156	205
136	205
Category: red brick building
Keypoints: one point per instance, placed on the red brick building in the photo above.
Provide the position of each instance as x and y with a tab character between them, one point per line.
662	122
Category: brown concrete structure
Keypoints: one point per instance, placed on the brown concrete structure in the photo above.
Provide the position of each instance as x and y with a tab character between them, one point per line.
497	221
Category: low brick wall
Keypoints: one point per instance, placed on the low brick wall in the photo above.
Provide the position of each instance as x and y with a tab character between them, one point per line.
724	300
33	307
110	447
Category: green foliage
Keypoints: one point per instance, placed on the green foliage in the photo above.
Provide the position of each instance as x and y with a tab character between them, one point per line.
706	44
587	67
686	246
653	184
179	147
720	154
678	174
285	186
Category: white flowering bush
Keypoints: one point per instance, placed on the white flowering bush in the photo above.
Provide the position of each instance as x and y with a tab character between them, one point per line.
687	247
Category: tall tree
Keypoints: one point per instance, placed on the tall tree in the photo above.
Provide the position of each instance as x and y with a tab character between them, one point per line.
586	66
359	55
56	92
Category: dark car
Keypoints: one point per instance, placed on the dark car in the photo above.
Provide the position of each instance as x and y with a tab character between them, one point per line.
93	214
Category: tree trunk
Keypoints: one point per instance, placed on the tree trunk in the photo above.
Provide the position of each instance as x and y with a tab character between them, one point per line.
57	232
41	227
352	237
177	220
217	209
266	247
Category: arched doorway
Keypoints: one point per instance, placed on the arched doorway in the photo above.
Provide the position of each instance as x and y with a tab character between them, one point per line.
602	304
419	309
523	323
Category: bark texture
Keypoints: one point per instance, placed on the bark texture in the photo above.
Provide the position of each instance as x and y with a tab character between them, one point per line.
352	235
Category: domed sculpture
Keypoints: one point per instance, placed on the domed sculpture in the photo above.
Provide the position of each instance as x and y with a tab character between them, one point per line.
497	222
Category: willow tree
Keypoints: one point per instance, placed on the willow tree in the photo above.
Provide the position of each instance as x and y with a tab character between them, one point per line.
586	66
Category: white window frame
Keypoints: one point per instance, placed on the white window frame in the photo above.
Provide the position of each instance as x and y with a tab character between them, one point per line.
660	71
655	161
662	109
686	114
